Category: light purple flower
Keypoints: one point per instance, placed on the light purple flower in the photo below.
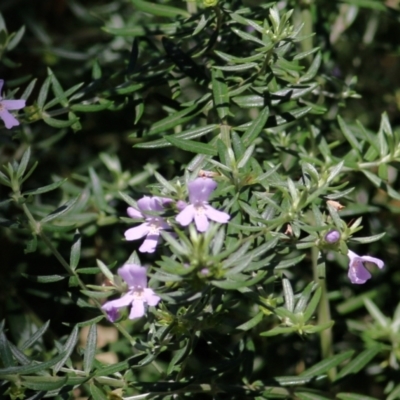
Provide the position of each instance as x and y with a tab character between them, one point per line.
138	294
358	274
332	236
5	105
199	191
151	228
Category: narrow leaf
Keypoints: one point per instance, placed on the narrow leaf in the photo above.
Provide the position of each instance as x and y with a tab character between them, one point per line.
67	349
75	251
359	362
5	351
325	365
90	350
220	92
192	146
24	163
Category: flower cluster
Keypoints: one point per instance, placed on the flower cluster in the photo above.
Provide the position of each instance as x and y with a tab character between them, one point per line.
150	209
6	105
198	210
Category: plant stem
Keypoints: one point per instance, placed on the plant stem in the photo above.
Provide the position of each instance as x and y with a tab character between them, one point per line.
324	314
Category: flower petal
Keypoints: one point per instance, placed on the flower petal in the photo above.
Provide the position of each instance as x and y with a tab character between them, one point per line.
137	232
118	303
9	119
148	203
134	275
112	314
200	189
150	297
185	217
13	104
201	222
180	205
379	263
217	216
150	243
137	309
358	274
134	213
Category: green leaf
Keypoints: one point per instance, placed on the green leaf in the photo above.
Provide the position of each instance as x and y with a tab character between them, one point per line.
312	71
97	393
104	269
75	251
318	328
255	128
45	383
159	10
58	123
68	348
90	321
359	362
90	351
31	245
325	365
371	4
57	89
96	70
128	199
220	92
354	142
288	294
28	91
98	193
45	189
32	369
15	38
301	303
230	284
188	134
91	107
24	163
180	355
309	311
192	146
4	180
376	313
368	239
353	396
236	68
280	330
5	351
44	90
36	336
251	323
175	119
44	278
379	183
310	396
62	210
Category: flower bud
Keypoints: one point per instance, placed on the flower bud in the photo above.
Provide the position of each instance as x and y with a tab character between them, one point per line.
332	236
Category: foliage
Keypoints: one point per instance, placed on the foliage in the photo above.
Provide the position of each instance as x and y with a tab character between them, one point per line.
127	99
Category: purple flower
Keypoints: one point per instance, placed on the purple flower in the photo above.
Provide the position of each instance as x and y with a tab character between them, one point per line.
199	191
151	228
5	105
358	274
138	294
332	236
